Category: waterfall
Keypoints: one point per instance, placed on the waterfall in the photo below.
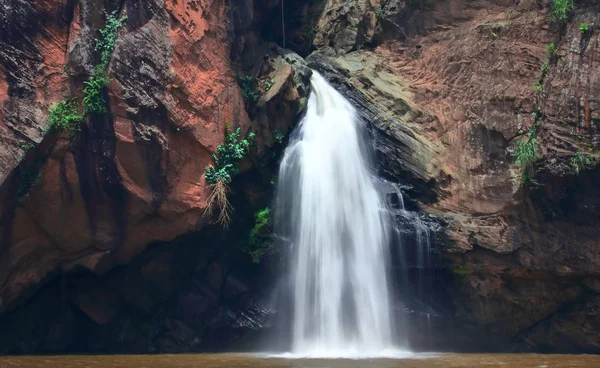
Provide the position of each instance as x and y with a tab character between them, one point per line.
330	211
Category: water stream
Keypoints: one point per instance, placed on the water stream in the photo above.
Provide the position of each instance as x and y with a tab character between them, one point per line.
331	212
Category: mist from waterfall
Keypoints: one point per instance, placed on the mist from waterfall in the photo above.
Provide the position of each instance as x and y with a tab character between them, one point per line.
328	208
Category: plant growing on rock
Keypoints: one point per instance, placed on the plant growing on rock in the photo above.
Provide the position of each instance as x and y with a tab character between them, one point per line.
561	9
246	83
269	84
64	115
219	175
108	37
579	161
261	236
551	48
527	150
93	102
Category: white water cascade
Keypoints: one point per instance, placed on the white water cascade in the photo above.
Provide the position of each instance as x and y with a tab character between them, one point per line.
332	214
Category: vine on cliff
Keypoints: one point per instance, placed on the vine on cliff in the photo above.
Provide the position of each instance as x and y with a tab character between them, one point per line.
93	102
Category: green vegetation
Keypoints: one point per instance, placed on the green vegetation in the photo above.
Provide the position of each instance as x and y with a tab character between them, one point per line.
226	160
93	102
379	12
538	86
228	155
561	9
26	146
545	68
261	235
585	27
508	14
551	48
65	116
268	84
246	83
279	136
108	37
527	151
494	34
579	161
461	271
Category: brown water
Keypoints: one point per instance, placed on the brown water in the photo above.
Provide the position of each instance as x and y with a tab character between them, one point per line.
249	361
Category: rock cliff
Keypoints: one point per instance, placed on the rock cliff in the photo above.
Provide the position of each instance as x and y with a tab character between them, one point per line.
451	89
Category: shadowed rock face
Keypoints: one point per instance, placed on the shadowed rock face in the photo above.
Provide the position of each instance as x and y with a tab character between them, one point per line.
133	176
448	87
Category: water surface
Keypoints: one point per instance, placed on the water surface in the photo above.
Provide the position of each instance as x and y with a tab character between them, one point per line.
249	361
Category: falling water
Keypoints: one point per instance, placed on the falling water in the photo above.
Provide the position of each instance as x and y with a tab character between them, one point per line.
330	211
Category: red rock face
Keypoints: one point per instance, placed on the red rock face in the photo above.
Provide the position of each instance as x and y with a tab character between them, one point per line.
129	178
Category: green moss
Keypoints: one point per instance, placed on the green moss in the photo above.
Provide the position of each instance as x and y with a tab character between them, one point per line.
228	156
64	116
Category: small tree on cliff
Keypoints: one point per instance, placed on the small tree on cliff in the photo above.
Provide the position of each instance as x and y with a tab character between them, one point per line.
219	175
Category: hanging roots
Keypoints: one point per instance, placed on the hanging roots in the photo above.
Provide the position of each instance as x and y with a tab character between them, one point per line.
217	199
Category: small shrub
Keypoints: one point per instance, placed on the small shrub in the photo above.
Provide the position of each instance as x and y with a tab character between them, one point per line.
249	93
93	101
65	116
526	153
379	12
26	146
218	176
279	136
579	161
551	48
538	86
269	84
583	27
561	9
108	37
228	155
261	237
545	68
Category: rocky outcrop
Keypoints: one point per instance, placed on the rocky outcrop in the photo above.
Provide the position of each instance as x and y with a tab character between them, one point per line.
450	87
134	176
